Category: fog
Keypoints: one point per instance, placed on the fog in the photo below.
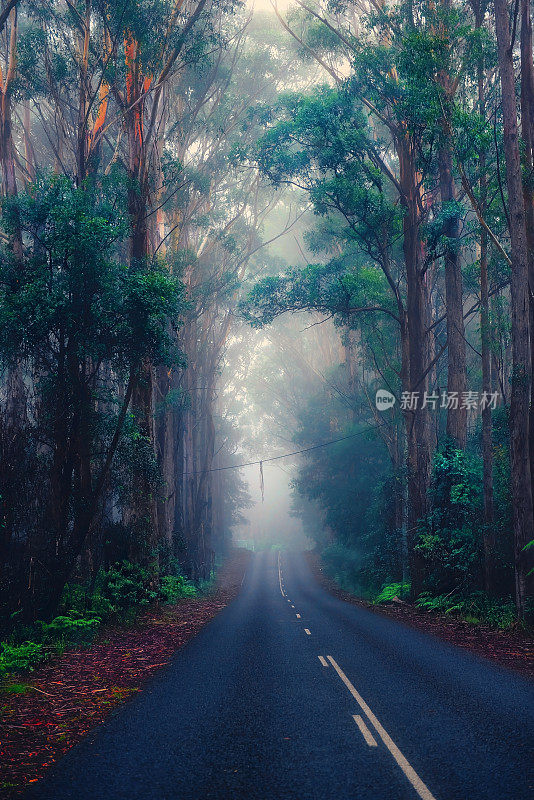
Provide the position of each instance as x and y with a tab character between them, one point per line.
269	522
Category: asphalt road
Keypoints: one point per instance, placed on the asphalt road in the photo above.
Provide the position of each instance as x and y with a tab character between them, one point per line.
292	694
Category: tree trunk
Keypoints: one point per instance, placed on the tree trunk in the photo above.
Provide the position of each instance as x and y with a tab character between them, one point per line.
16	393
488	539
143	511
418	421
527	131
456	366
521	372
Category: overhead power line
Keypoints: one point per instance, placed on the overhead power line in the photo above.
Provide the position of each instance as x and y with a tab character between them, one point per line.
286	455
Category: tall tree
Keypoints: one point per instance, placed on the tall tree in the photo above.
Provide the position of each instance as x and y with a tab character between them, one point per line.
521	370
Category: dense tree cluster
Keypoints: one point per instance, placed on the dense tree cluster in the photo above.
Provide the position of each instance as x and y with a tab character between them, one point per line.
416	153
126	227
150	151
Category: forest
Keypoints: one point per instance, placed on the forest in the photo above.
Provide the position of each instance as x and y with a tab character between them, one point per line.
229	236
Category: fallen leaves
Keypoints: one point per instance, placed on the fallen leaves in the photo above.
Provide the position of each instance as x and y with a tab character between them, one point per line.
72	694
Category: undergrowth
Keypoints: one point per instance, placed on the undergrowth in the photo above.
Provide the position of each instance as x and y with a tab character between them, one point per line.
475	608
344	565
392	591
119	594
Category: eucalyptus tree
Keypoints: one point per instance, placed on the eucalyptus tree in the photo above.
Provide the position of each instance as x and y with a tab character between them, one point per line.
96	82
522	368
210	216
323	143
68	307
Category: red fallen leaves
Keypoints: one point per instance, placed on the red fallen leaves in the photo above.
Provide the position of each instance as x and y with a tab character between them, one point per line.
72	694
513	649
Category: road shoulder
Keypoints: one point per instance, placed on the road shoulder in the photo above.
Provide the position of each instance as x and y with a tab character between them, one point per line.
54	707
510	649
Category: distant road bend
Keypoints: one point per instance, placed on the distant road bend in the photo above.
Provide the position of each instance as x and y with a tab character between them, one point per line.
292	694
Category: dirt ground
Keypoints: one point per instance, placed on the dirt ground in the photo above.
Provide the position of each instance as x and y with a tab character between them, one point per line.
44	713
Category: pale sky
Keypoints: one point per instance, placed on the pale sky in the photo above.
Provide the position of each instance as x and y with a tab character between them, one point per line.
265	5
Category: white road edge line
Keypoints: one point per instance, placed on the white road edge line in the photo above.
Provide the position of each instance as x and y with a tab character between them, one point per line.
307	631
421	789
323	661
366	733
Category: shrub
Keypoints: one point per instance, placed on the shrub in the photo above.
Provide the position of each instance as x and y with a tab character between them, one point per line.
20	657
175	587
475	607
74	628
206	584
126	585
17	688
391	590
102	606
449	536
347	567
74	597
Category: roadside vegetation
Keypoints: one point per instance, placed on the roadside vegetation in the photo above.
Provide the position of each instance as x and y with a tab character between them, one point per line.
224	235
120	594
415	153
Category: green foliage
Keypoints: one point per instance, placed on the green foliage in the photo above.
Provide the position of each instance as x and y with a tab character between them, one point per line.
73	628
401	66
346	567
332	289
390	591
21	657
72	285
80	605
528	546
475	607
127	585
175	587
346	483
322	142
449	537
206	585
70	307
17	688
121	592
